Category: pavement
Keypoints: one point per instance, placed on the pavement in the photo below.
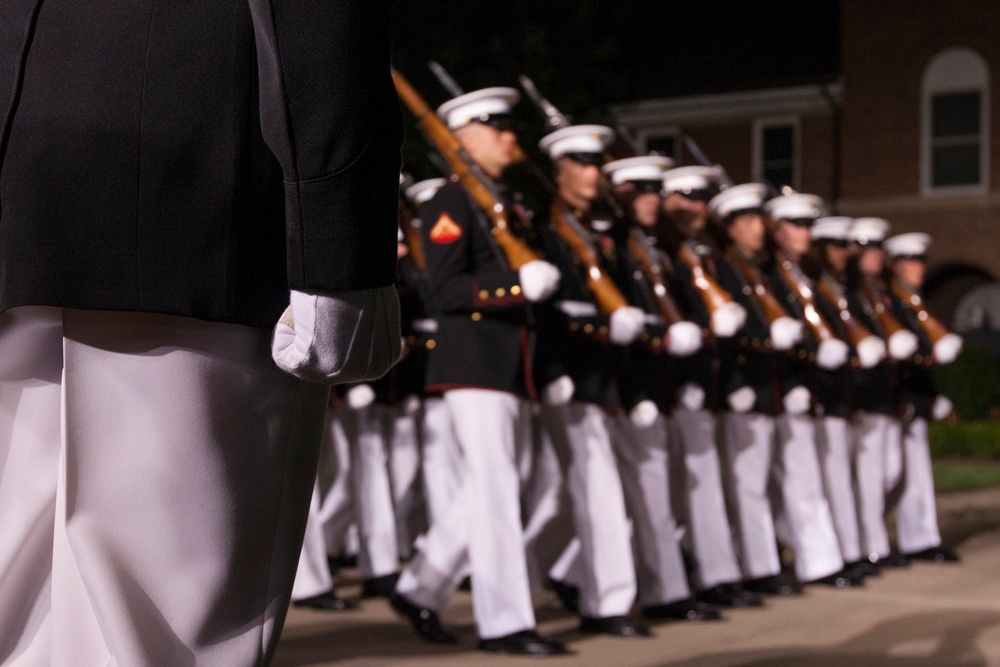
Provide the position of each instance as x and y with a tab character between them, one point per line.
922	616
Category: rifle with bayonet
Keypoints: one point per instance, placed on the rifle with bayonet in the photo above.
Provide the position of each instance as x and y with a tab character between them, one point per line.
479	186
637	245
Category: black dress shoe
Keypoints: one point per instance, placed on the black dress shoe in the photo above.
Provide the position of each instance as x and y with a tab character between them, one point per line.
893	560
329	601
526	642
684	610
341	561
379	587
617	626
840	580
568	594
730	595
423	620
865	568
776	584
935	555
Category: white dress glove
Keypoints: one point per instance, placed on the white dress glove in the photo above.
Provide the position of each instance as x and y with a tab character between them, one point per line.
785	333
539	280
691	396
626	324
797	401
903	344
871	350
360	397
644	414
559	391
946	350
832	353
742	400
412	405
339	337
727	319
942	408
684	339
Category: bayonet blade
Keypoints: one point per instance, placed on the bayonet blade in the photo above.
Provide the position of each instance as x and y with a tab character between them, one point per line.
445	79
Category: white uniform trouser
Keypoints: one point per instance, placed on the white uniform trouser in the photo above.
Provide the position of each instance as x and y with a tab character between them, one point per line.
336	512
442	464
708	524
184	471
835	443
872	432
313	574
893	461
548	521
404	472
916	519
748	440
805	515
368	431
582	444
642	460
482	528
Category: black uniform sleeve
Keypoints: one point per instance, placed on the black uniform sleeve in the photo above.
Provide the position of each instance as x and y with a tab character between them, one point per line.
916	379
797	364
329	112
685	295
452	238
733	372
859	307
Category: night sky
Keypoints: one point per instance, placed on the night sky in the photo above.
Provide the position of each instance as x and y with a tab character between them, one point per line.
653	48
587	54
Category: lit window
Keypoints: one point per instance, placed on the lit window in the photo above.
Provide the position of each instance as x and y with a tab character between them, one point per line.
666	145
954	146
660	140
776	152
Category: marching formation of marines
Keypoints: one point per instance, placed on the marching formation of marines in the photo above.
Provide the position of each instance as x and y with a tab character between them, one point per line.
658	395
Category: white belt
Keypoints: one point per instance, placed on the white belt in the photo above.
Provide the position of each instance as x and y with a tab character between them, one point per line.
577	308
426	325
654	320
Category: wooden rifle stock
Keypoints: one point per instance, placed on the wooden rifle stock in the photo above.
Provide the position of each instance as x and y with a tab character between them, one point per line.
475	182
856	331
609	298
821	329
712	294
654	273
411	237
772	308
885	318
931	325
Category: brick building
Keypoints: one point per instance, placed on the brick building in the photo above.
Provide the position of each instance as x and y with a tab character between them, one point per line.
902	129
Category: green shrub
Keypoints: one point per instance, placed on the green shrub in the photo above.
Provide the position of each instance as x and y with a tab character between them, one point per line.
975	440
952	476
972	383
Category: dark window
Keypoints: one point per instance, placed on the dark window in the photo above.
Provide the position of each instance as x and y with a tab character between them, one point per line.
778	155
956	139
666	146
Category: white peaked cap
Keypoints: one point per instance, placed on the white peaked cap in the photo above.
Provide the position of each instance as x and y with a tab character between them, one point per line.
833	227
737	198
690	178
464	109
642	168
914	244
869	230
795	206
422	191
577	139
